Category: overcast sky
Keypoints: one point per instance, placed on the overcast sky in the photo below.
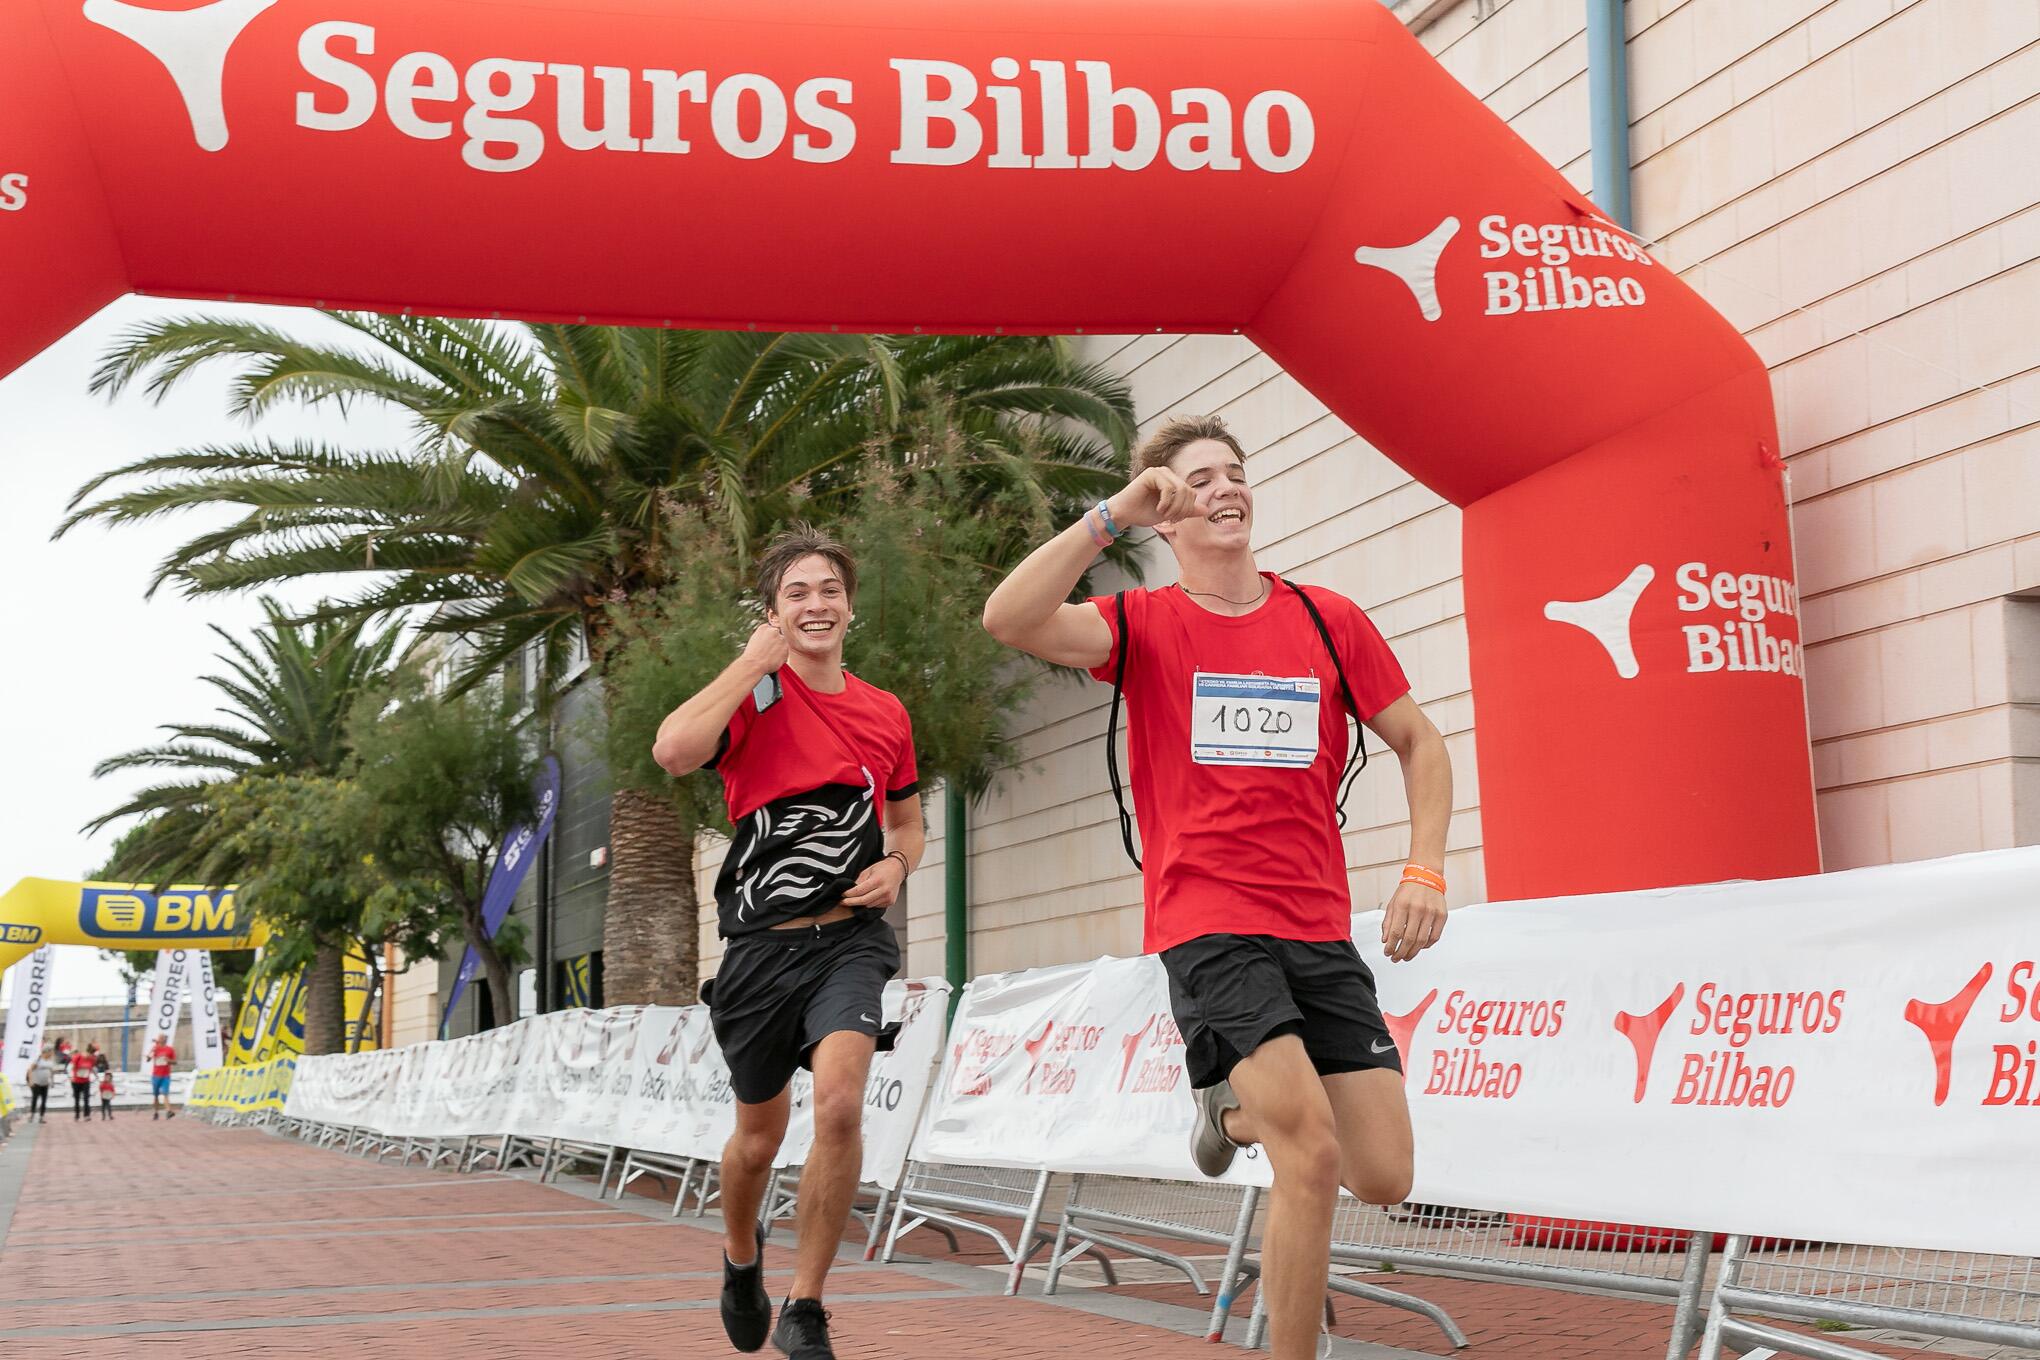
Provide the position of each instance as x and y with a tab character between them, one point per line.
95	668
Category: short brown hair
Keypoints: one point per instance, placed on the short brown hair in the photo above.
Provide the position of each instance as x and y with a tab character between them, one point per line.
788	547
1178	433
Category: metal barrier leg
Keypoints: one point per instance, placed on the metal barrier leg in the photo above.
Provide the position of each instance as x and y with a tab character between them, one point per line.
686	1179
892	1236
1024	1244
1257	1323
1686	1317
1409	1303
1232	1276
877	1218
1717	1312
1062	1237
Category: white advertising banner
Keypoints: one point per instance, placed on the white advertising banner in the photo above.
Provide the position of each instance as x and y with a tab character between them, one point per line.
27	1012
207	1052
166	994
640	1077
1078	1067
1848	1057
893	1093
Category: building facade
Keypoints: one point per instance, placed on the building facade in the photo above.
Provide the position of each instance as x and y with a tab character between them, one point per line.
1852	183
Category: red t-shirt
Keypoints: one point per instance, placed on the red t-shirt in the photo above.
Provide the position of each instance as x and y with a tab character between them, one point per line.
1241	848
82	1064
106	1083
160	1059
802	777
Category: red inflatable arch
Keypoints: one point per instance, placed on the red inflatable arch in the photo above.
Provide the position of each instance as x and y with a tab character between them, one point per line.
1297	170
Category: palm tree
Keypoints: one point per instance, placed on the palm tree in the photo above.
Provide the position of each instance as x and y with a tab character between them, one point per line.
551	468
287	700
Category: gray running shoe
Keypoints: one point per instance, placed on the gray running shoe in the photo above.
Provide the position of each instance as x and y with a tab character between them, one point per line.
1209	1147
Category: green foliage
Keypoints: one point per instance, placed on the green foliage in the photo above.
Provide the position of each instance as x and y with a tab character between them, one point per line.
920	545
297	840
550	459
441	783
287	692
665	645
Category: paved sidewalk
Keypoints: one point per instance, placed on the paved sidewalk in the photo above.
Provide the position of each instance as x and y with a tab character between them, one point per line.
135	1237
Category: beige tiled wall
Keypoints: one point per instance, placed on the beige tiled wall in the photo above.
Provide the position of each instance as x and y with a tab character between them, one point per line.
1854	184
414	1004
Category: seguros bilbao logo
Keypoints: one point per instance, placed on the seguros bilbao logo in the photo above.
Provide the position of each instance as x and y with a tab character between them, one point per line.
129	913
2014	1075
943	118
1716	1069
1527	267
1742	624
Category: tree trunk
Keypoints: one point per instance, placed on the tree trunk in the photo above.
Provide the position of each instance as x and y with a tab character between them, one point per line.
495	973
325	1001
651	946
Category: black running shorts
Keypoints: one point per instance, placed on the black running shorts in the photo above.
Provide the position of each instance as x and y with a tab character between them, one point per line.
1233	993
779	993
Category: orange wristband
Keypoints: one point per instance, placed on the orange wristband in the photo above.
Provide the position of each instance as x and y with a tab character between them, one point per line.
1424	876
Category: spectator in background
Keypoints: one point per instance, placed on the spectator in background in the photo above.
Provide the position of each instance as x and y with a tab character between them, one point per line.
162	1058
106	1092
41	1072
82	1066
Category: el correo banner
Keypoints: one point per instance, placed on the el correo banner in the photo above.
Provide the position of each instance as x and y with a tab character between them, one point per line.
27	1013
166	995
207	1052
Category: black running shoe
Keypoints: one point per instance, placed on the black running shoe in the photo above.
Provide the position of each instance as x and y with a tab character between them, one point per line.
803	1330
746	1310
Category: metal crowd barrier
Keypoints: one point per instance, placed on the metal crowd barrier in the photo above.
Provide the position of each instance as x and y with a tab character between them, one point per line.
1644	1263
561	1151
941	1194
1957	1296
1102	1210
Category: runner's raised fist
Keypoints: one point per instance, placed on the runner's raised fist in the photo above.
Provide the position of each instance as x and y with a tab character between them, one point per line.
767	648
1157	496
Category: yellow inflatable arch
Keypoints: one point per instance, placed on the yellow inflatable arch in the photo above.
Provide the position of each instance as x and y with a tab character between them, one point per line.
40	911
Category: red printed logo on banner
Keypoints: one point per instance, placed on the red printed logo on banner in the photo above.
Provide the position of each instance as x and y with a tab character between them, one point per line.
2015	1065
1158	1070
1642	1032
1049	1069
1402	1028
1723	1074
1461	1066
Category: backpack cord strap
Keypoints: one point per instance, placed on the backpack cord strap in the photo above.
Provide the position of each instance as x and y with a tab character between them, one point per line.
1112	733
1352	771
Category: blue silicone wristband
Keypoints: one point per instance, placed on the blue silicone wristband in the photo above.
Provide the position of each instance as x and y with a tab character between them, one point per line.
1104	510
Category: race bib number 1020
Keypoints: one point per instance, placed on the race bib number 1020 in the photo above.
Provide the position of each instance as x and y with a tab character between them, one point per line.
1253	720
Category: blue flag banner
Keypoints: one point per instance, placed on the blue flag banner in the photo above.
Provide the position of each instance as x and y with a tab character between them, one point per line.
520	852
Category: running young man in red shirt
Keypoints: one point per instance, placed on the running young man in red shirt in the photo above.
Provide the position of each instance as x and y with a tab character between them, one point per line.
1236	733
84	1065
818	772
162	1058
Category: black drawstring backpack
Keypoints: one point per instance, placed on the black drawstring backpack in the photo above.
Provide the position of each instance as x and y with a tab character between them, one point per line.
1356	759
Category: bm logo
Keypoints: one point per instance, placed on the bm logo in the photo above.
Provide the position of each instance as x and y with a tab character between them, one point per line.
19	934
123	913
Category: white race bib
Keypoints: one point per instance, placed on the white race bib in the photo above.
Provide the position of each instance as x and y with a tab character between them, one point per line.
1253	720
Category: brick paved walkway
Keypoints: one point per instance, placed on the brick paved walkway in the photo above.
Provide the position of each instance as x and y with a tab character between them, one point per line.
135	1238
